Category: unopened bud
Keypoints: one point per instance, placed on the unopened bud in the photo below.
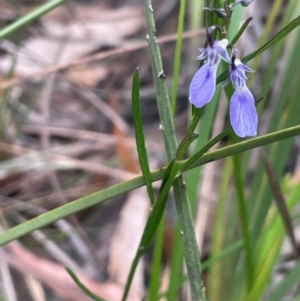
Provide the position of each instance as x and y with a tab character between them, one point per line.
221	12
242	2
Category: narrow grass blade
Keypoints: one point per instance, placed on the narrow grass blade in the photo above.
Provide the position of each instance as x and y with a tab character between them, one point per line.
30	17
153	221
273	15
184	145
191	249
177	57
280	201
118	189
175	278
268	247
282	34
201	152
241	31
283	288
244	217
158	208
216	281
227	251
156	265
197	113
139	135
83	287
181	199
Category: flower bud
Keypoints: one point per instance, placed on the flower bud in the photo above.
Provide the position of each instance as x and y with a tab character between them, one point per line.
242	2
221	12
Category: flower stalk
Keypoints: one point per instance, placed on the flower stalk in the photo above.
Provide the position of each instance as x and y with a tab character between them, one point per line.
192	257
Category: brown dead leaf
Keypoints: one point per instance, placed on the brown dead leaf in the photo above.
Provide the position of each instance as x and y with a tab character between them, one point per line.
87	76
126	156
55	276
64	42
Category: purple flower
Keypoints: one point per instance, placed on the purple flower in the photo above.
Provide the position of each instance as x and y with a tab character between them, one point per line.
203	84
242	111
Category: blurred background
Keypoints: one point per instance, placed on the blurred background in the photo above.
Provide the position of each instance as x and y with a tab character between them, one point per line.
66	131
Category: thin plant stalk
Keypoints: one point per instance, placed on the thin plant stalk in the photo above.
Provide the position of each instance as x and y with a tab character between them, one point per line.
177	58
192	257
118	189
35	14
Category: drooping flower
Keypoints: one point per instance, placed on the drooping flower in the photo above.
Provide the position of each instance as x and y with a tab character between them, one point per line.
242	110
203	84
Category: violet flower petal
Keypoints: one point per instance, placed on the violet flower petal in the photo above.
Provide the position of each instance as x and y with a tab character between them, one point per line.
241	74
212	57
203	85
222	52
243	115
245	68
202	56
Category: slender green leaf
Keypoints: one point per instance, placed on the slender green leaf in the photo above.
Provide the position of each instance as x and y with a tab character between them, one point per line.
269	246
216	279
177	56
139	135
227	251
197	113
156	267
133	267
280	200
244	217
105	194
192	258
184	145
83	287
202	151
283	288
30	17
241	31
157	210
175	278
283	33
153	221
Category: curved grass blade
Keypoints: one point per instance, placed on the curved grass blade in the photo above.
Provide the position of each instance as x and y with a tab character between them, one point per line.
177	56
203	150
269	245
283	33
157	262
244	215
192	258
115	190
197	113
30	17
139	135
184	145
153	221
280	201
83	287
241	31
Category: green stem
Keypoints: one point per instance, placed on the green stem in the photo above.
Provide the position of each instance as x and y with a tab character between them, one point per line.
115	190
237	164
192	257
23	21
177	58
